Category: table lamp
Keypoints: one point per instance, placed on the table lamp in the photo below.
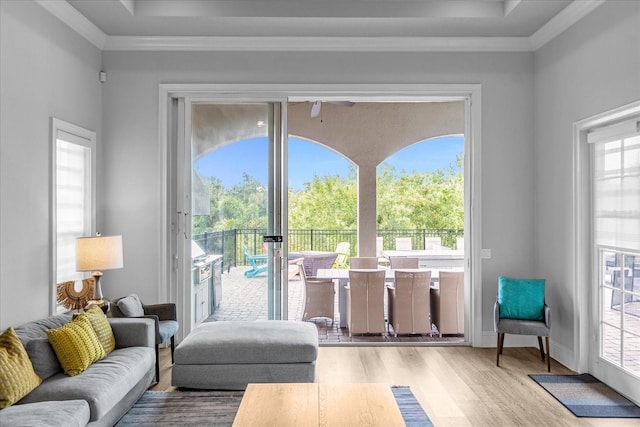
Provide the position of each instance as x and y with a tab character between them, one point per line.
95	254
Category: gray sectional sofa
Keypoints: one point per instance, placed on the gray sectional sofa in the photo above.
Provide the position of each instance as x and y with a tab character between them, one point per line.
99	396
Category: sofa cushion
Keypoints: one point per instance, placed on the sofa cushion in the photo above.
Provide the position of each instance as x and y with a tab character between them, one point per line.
17	377
249	342
167	329
34	338
76	345
68	413
131	306
38	328
43	358
102	328
103	384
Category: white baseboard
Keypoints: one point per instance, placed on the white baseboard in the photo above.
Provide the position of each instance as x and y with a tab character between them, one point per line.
563	355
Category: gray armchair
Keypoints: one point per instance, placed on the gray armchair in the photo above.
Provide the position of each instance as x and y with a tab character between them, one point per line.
539	324
166	323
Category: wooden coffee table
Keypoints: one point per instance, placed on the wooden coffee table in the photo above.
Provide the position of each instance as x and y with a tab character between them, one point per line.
313	404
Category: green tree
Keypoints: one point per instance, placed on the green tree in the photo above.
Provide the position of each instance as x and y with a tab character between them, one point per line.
421	200
242	206
327	202
413	200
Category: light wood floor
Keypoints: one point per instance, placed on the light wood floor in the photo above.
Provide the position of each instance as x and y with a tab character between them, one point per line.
456	385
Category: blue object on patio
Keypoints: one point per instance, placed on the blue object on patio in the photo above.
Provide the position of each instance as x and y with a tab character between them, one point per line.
258	263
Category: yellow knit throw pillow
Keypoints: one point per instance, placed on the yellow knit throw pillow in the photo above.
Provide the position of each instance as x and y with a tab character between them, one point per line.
17	377
101	327
76	345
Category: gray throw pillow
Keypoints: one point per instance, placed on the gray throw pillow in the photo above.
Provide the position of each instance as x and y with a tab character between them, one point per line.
43	358
131	306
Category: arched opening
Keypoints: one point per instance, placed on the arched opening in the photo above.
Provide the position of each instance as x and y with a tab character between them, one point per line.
322	208
420	193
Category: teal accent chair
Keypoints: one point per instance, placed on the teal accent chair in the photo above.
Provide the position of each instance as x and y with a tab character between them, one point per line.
258	263
521	309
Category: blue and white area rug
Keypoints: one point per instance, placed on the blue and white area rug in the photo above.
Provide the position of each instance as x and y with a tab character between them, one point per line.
585	396
219	408
410	408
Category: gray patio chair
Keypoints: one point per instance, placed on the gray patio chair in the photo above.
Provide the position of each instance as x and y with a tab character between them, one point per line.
409	304
432	243
403	244
447	303
363	262
318	297
403	262
365	302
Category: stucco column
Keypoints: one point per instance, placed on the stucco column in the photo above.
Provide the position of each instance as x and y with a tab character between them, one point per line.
367	210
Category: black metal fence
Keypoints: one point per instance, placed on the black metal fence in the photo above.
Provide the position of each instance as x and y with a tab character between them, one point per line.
230	243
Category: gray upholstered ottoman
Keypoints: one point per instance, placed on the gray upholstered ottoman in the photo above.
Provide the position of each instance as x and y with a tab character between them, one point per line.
229	355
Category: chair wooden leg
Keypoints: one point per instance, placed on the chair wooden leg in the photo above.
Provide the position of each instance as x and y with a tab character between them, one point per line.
173	347
541	348
499	348
501	342
548	354
157	364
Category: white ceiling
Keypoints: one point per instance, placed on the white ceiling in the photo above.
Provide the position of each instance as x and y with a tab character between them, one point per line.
346	25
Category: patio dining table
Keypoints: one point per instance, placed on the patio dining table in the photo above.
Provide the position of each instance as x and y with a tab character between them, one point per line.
449	258
342	276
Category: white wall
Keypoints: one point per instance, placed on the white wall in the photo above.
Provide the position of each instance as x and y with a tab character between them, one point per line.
132	171
46	70
591	68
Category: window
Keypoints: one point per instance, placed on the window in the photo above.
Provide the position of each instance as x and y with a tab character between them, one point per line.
73	198
615	156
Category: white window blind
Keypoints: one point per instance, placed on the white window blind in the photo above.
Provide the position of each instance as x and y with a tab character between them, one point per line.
616	185
73	202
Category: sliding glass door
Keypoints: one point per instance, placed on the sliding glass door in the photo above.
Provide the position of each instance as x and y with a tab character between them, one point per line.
230	216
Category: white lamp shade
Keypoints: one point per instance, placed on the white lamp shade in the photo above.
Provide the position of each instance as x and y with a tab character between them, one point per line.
99	253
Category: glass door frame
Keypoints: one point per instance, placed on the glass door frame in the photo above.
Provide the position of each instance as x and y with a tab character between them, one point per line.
276	201
586	261
283	92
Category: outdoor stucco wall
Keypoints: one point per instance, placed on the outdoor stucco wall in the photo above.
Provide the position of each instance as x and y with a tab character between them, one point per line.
131	169
47	70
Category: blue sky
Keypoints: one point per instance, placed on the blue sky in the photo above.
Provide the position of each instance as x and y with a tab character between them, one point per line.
229	162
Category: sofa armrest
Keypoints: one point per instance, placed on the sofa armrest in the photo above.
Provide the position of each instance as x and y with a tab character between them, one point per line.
133	331
547	316
165	311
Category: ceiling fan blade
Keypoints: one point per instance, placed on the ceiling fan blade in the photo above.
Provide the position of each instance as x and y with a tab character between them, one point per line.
315	109
344	103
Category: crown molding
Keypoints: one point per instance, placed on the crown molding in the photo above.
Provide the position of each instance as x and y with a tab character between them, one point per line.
568	16
321	44
76	21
